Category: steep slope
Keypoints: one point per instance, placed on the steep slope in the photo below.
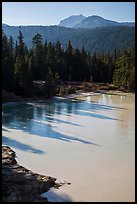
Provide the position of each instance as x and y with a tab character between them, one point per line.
96	21
71	21
80	21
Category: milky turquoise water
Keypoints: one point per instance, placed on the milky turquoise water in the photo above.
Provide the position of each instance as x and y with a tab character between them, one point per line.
90	144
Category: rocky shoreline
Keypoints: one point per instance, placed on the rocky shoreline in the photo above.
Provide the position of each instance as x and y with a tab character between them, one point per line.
20	184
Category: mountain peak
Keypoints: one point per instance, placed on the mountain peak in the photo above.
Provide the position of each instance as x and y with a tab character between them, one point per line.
80	21
96	21
71	21
94	16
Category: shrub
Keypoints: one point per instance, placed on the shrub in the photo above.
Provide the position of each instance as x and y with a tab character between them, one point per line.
57	90
70	90
85	86
62	91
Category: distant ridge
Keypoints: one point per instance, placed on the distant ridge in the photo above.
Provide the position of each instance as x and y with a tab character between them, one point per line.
101	39
94	21
80	21
4	24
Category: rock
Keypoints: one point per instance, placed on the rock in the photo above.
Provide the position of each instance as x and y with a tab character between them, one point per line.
8	156
20	184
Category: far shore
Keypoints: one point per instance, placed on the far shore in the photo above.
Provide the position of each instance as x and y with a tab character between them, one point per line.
81	92
81	95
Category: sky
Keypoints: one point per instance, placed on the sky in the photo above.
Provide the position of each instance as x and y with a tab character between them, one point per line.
51	13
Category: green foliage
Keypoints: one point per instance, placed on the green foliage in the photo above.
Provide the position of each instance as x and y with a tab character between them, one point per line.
70	90
57	90
62	91
67	90
7	63
51	63
85	86
37	40
124	75
50	83
57	78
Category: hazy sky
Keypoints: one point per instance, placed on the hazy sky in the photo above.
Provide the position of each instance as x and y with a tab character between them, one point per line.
50	13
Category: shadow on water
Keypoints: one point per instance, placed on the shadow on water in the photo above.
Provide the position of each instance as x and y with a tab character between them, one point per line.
38	118
19	145
3	129
55	120
96	106
99	116
80	108
48	132
55	197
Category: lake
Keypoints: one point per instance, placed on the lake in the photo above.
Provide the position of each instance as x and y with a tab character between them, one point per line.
89	143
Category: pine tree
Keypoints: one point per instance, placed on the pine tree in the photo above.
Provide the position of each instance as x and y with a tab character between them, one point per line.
69	61
39	58
21	73
7	63
124	74
49	87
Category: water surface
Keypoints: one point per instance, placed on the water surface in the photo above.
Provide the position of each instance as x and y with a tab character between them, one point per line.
90	144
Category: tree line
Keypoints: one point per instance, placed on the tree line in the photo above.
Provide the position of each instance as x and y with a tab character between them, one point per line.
51	63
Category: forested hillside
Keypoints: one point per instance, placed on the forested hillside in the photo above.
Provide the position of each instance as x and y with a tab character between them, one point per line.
51	63
105	39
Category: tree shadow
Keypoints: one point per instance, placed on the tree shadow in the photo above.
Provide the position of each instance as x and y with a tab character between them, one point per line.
57	120
13	143
99	116
3	129
49	132
52	196
37	118
97	106
77	106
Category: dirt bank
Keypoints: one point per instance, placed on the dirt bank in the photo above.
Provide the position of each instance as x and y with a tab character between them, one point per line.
20	184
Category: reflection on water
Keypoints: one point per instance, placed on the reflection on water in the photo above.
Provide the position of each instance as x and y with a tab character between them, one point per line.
89	143
124	101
